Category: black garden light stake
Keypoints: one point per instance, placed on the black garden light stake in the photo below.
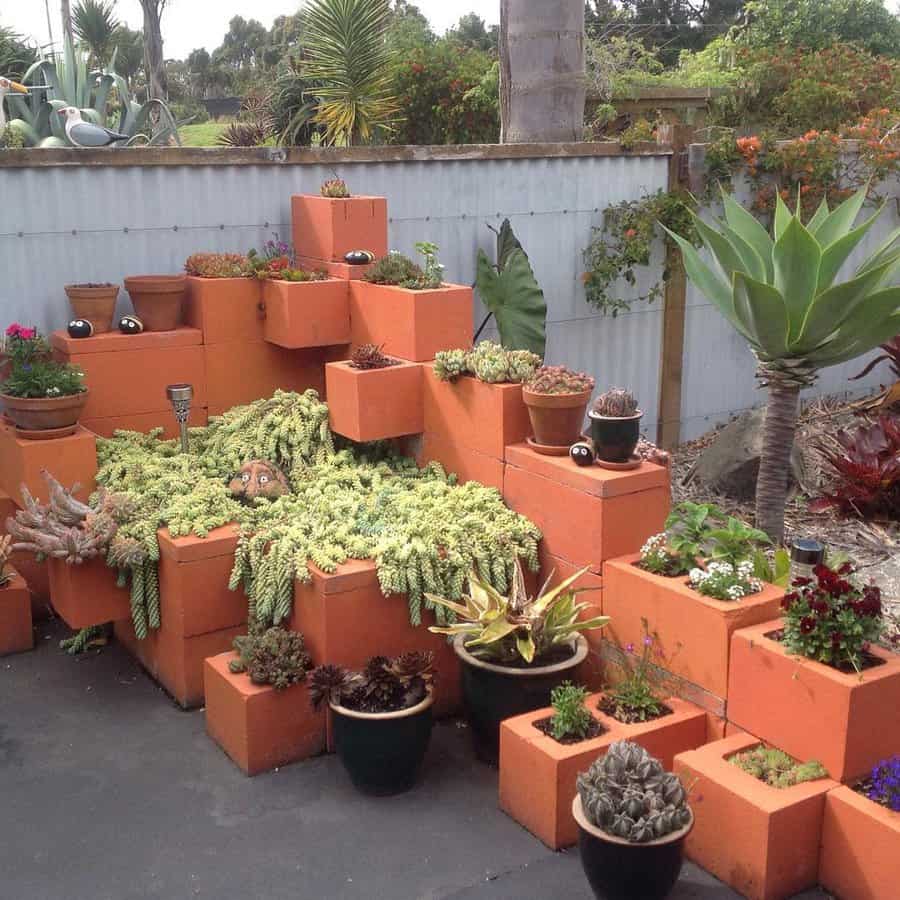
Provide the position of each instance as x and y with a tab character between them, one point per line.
180	396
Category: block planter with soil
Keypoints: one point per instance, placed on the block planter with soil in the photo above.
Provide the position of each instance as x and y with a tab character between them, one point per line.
87	594
860	841
373	404
846	720
306	314
259	727
15	614
694	631
225	309
537	772
413	325
761	840
328	228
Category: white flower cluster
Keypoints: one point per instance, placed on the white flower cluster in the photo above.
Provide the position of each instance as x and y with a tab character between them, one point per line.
654	548
723	581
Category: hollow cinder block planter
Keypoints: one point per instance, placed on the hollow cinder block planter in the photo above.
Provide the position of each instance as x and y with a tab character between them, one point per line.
306	314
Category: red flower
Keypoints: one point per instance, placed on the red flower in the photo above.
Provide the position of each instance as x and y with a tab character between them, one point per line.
807	624
630	233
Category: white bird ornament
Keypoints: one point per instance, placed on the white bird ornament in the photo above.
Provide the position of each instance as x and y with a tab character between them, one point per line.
86	134
7	85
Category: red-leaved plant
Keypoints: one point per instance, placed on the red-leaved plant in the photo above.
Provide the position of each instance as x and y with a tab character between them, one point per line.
891	355
866	464
829	619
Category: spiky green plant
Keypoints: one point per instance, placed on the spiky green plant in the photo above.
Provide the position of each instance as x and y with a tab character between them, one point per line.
782	293
94	23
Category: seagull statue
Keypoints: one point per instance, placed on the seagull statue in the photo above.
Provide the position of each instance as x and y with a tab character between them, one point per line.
7	85
86	134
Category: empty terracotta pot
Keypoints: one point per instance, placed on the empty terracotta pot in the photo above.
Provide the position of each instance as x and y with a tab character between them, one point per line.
94	302
158	300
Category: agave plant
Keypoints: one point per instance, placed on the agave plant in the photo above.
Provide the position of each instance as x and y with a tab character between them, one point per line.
506	628
782	294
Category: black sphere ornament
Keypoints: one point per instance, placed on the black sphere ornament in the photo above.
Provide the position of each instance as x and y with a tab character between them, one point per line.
80	328
359	257
130	325
582	453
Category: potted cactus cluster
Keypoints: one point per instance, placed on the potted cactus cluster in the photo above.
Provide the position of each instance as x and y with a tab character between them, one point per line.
615	426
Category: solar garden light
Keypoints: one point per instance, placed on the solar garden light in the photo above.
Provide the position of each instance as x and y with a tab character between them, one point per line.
180	396
806	554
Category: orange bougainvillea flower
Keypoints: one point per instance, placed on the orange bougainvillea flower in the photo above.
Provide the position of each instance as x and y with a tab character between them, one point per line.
630	233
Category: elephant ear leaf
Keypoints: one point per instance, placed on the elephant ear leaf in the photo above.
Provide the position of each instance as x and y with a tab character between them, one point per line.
516	300
506	243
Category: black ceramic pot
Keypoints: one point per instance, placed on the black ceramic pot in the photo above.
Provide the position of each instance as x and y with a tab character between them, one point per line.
492	693
382	752
617	869
615	438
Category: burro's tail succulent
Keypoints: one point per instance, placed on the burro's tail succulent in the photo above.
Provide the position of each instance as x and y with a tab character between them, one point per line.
629	795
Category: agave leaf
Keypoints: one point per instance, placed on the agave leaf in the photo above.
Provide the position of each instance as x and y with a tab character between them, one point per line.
763	308
456	628
722	250
545	600
525	646
819	217
796	257
495	631
782	216
748	227
885	250
751	261
836	253
460	610
838	222
850	341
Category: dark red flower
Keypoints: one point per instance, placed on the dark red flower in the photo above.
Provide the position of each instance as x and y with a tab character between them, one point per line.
807	624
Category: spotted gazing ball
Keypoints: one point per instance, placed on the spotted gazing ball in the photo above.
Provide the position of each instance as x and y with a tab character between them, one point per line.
359	257
80	328
130	325
582	453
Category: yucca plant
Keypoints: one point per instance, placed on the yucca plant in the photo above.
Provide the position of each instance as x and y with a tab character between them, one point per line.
782	294
350	63
94	23
507	628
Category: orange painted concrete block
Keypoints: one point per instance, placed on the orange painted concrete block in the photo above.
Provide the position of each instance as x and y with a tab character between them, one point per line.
335	269
467	464
225	309
70	460
694	632
163	418
346	619
193	583
15	615
369	405
586	519
36	574
761	840
471	413
240	373
413	325
259	727
329	228
87	594
846	721
860	841
127	374
306	314
537	773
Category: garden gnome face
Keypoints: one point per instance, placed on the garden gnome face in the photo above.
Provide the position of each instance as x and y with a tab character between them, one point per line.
259	478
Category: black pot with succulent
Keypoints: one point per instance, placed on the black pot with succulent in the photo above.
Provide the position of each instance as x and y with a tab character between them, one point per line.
514	649
615	426
633	818
381	718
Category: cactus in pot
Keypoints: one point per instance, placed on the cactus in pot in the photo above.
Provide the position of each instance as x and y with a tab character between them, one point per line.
615	425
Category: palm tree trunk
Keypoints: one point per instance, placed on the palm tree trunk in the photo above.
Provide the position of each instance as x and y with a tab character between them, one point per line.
775	461
542	81
154	63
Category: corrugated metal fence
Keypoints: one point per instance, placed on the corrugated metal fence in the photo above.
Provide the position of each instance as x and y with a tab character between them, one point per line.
64	223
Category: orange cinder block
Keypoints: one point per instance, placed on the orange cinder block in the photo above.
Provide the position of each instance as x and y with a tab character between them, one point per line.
70	460
86	594
472	413
306	314
259	727
538	773
335	269
225	309
328	227
694	632
35	573
369	405
859	858
144	422
15	615
847	721
761	840
467	464
413	325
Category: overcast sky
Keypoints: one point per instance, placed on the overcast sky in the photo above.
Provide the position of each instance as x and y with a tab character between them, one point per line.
188	24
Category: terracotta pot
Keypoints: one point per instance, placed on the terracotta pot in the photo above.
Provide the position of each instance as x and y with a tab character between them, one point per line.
158	300
94	302
42	413
615	437
556	419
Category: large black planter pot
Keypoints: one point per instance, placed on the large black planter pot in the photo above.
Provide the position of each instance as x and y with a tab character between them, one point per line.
615	438
382	752
617	869
492	693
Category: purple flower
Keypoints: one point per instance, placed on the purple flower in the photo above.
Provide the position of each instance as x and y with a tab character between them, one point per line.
629	648
647	640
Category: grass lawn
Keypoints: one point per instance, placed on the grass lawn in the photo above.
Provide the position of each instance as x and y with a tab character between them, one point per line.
203	135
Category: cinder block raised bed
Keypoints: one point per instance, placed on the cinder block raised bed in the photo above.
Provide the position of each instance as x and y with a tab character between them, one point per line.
328	228
87	594
15	615
306	314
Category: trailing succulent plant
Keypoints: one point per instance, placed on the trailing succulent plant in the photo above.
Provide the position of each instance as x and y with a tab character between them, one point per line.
84	640
384	685
628	794
218	265
370	356
776	768
487	361
615	404
559	380
335	188
273	656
